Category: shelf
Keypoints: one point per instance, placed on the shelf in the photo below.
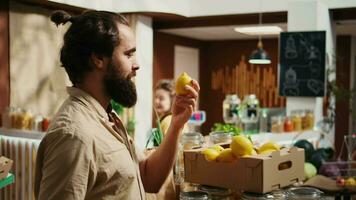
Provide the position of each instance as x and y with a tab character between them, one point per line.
36	135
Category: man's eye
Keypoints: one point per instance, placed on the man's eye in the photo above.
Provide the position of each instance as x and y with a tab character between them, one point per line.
129	55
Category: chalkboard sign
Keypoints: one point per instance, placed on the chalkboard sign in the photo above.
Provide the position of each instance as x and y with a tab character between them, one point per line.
302	64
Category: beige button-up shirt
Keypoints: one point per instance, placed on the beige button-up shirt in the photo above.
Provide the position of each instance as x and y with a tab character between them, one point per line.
85	156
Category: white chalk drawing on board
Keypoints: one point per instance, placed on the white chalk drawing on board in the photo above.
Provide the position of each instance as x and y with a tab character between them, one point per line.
291	49
291	84
310	51
315	69
315	86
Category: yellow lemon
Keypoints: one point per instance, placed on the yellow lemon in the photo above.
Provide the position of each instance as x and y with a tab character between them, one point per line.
217	148
241	145
226	155
269	146
350	182
183	80
210	154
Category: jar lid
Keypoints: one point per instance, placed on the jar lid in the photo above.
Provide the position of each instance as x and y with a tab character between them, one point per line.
304	192
192	137
216	191
276	195
193	195
254	196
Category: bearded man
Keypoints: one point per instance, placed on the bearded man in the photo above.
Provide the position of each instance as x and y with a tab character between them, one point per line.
87	153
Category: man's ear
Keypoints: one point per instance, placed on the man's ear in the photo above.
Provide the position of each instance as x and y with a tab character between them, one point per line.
98	61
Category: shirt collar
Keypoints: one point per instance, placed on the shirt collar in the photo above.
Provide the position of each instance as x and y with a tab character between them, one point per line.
89	101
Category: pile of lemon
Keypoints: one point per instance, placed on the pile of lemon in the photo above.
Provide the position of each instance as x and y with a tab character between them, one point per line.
240	146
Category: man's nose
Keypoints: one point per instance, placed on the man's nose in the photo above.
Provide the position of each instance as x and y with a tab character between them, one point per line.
135	67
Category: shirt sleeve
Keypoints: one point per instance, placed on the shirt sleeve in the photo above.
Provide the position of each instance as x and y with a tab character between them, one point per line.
64	164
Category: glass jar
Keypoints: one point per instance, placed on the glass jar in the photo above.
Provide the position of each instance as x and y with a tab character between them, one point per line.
194	195
263	127
216	193
188	141
220	137
37	123
250	114
309	117
288	124
231	106
305	193
297	120
277	124
275	195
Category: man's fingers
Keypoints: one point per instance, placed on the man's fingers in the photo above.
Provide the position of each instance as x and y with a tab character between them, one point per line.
192	92
195	85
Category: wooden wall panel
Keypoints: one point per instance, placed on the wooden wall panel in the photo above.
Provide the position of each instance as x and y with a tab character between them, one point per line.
226	70
4	56
343	70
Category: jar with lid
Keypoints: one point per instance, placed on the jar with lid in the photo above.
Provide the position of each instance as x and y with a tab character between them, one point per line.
194	195
277	124
305	193
217	193
309	117
275	195
188	141
288	124
297	120
231	106
249	114
220	137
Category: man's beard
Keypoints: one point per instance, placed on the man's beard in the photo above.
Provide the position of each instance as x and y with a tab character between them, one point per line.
121	89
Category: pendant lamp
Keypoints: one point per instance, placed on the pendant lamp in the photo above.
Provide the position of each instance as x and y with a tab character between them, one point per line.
259	56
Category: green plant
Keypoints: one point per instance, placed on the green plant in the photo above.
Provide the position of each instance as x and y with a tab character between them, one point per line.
227	128
119	109
156	133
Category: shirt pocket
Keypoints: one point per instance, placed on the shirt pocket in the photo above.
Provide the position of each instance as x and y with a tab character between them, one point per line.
117	170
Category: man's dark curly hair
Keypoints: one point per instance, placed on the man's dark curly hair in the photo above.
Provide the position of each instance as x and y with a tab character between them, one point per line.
92	32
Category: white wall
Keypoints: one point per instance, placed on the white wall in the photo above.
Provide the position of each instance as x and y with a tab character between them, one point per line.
143	108
186	59
37	81
315	17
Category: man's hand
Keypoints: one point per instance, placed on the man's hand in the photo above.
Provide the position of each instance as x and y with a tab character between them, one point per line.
184	105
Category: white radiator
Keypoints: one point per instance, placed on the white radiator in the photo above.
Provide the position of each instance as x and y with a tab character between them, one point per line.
23	152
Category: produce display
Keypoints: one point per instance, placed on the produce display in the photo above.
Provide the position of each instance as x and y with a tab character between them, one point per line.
240	146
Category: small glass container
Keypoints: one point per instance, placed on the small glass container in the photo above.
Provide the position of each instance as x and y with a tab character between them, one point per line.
194	195
263	127
37	123
309	117
216	193
220	137
275	195
188	141
305	193
277	124
231	106
297	120
288	124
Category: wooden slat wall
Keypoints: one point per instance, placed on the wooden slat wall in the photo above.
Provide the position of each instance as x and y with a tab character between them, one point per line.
225	70
245	79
